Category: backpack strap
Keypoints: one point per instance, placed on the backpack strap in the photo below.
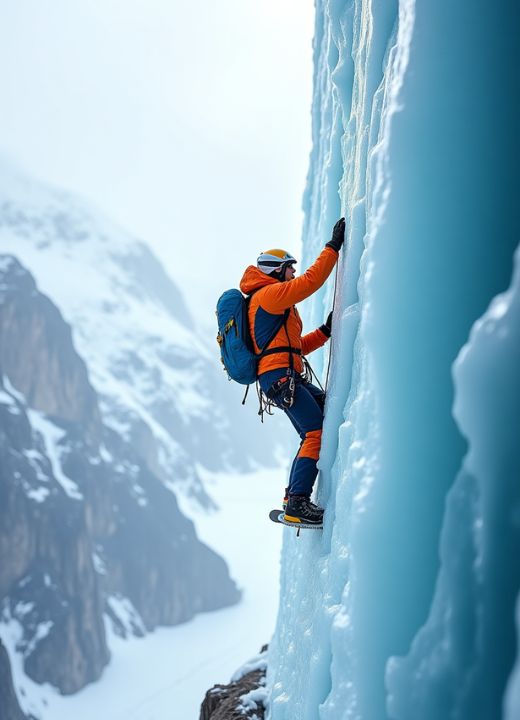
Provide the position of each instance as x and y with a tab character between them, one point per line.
286	348
291	351
266	402
266	351
275	332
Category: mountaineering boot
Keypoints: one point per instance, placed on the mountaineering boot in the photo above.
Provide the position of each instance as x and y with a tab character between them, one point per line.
300	510
286	500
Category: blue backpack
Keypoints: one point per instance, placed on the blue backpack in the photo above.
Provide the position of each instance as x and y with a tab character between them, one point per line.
236	346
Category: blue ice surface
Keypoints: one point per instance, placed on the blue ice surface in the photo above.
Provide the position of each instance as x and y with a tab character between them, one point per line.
406	605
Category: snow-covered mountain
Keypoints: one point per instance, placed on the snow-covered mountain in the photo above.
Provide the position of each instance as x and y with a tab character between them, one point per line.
406	605
160	385
88	535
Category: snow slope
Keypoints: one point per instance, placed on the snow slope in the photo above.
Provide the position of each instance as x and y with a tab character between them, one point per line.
405	605
161	384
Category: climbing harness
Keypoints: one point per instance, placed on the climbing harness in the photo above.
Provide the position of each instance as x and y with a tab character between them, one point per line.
284	389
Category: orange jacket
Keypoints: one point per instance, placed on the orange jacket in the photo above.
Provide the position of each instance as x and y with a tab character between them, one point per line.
272	298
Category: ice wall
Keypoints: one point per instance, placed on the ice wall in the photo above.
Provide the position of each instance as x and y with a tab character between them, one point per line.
404	606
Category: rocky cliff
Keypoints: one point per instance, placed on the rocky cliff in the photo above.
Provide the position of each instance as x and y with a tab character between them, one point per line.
38	355
86	529
243	697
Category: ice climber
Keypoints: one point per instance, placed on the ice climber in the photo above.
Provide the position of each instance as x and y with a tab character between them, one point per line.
274	292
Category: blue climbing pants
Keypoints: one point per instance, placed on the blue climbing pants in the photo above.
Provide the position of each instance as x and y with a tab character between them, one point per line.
306	415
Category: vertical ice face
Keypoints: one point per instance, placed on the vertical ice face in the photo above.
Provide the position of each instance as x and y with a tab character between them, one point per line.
399	608
460	660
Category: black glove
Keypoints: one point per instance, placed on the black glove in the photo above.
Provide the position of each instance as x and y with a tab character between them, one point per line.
327	326
338	235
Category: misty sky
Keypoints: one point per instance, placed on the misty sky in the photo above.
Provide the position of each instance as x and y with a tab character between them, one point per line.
188	123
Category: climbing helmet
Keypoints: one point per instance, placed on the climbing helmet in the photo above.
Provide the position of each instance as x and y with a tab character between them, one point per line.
275	261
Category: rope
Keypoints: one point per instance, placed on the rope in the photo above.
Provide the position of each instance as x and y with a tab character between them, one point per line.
333	306
309	374
265	405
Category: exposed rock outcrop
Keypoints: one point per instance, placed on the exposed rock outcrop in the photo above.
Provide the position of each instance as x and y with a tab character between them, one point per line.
240	699
223	702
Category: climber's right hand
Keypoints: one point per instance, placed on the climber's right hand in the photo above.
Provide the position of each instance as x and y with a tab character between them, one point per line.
338	235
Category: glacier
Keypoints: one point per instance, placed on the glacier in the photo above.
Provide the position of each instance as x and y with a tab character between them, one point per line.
407	605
